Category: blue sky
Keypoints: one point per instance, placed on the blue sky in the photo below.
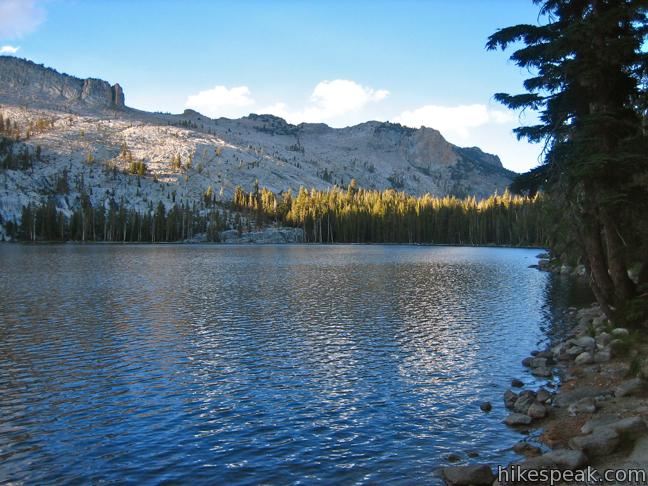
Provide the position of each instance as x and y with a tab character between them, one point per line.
338	62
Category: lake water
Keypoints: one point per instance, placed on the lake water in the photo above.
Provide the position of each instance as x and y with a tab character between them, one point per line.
273	364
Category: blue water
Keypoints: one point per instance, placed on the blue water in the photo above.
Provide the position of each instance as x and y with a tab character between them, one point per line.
274	365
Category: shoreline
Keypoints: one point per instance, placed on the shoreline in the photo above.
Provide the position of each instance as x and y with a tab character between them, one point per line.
596	417
220	243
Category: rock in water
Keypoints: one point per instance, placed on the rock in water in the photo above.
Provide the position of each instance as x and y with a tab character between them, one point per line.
485	407
537	411
517	419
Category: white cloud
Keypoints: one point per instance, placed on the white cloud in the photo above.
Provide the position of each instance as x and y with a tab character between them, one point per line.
329	100
221	101
8	49
19	17
453	120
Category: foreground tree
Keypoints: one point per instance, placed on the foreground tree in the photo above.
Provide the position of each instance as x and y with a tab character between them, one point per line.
588	85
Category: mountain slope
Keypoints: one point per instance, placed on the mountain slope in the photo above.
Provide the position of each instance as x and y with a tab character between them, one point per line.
84	128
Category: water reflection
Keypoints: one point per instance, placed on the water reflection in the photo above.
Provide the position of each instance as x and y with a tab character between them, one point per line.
260	364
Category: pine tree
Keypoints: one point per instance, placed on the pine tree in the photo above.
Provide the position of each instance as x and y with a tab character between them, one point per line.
589	86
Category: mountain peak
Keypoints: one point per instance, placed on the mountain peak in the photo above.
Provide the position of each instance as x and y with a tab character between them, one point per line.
26	82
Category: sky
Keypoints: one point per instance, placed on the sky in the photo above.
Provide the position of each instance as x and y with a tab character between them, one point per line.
337	62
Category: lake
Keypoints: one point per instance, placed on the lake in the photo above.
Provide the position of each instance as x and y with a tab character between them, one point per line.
348	364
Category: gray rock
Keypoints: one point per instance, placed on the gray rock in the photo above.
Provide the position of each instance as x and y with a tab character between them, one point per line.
628	387
585	342
585	405
479	474
538	363
515	383
537	411
453	458
600	443
629	427
566	398
597	423
575	350
485	407
509	399
543	395
562	459
517	419
620	332
603	339
602	356
617	347
524	401
584	358
541	372
270	235
526	449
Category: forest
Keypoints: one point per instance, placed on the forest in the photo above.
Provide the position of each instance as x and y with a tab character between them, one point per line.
356	215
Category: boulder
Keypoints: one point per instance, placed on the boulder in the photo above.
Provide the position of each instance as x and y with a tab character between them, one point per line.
515	383
602	356
485	407
562	459
541	372
479	474
524	401
566	398
597	423
599	443
628	387
629	427
509	399
526	449
537	411
584	358
453	458
585	405
585	342
603	339
620	332
575	350
517	419
543	396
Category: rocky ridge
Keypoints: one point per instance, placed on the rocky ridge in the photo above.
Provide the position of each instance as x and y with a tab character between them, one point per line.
83	127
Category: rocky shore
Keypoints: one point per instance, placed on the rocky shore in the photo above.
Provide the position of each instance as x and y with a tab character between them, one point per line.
268	235
596	419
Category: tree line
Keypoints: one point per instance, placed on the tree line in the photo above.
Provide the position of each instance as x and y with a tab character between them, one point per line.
117	223
356	215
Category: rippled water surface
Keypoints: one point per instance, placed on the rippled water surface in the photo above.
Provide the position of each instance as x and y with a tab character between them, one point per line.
274	364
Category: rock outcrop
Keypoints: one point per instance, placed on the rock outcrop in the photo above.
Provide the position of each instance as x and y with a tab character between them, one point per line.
35	84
